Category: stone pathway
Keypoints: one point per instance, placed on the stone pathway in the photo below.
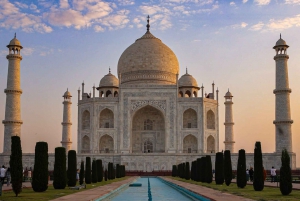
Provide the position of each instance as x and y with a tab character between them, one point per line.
94	193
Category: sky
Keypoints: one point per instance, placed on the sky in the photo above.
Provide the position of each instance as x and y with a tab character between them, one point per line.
229	43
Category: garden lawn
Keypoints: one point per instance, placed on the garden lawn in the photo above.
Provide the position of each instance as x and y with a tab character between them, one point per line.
268	193
50	193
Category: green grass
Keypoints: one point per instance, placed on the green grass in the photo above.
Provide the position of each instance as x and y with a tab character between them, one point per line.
51	193
267	194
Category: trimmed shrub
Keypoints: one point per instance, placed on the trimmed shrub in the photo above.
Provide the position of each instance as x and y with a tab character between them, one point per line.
88	175
285	174
94	172
241	179
81	174
40	176
187	171
219	168
60	172
198	170
183	171
105	175
208	170
192	170
258	177
227	167
16	166
202	169
99	170
72	168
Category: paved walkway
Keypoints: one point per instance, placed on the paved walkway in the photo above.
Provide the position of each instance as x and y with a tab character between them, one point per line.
26	184
94	193
207	192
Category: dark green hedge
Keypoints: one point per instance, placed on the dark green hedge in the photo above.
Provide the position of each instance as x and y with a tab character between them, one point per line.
60	172
40	176
258	177
99	170
72	168
16	166
241	169
285	174
88	171
94	172
219	168
81	174
227	167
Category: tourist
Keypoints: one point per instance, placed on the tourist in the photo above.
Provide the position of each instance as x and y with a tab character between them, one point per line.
247	175
251	172
2	174
8	176
29	174
273	174
77	175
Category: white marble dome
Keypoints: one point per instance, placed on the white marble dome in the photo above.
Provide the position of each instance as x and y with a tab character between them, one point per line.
15	42
187	80
109	80
148	60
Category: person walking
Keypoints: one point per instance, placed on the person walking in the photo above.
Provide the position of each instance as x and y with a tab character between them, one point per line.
251	172
8	176
273	174
2	174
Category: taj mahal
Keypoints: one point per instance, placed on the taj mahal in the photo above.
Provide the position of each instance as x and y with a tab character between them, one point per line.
148	117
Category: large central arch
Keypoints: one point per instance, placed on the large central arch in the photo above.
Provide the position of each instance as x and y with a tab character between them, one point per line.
148	126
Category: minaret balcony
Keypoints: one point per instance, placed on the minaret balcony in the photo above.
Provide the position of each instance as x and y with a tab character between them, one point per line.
284	90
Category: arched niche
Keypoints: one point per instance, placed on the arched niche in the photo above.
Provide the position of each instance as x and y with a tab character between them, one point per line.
189	118
211	144
85	144
190	144
148	123
85	120
108	93
210	120
106	144
106	119
187	94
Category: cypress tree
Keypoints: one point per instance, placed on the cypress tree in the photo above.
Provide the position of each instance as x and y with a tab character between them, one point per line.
202	169
198	170
118	171
258	177
88	179
72	168
40	176
208	170
99	170
183	171
105	175
16	165
187	171
219	168
241	180
192	171
81	174
227	167
60	173
285	174
94	172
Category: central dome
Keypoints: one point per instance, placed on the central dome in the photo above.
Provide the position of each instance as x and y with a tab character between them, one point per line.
148	60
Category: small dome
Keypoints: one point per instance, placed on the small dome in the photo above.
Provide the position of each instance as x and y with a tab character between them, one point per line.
67	94
15	42
280	42
109	80
187	80
228	94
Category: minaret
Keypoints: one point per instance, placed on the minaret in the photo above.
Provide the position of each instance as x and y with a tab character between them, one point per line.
12	122
229	141
66	124
282	92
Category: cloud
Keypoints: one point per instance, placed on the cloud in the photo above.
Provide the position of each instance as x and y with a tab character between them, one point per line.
150	10
277	25
232	4
98	28
196	40
262	2
242	25
126	2
245	1
21	5
257	26
292	2
64	4
27	51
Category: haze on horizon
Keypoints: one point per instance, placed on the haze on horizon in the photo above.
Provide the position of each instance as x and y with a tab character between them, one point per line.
228	42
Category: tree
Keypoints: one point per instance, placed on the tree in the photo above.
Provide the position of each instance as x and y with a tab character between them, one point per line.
94	172
208	170
258	177
60	173
105	175
241	180
285	174
40	176
72	168
203	169
198	170
99	170
219	168
183	171
187	171
88	179
192	171
16	165
227	167
81	174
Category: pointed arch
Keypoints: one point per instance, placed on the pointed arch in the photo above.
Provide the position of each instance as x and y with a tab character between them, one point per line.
210	144
108	93
106	144
180	94
116	94
210	120
85	144
189	118
187	94
85	120
190	144
106	119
